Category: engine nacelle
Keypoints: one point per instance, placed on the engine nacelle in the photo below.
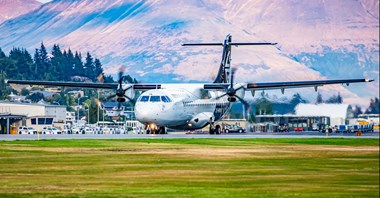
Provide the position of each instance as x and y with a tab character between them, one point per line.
129	92
200	120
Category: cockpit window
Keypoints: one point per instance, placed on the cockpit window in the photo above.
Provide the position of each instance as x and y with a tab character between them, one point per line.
165	99
144	99
155	99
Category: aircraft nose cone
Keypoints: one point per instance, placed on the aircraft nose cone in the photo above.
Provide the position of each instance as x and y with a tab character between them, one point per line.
146	113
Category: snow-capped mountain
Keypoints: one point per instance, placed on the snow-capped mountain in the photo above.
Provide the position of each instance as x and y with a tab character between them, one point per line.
317	39
10	9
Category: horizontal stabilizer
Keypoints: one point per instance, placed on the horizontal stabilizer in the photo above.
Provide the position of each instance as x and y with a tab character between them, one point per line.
252	44
202	44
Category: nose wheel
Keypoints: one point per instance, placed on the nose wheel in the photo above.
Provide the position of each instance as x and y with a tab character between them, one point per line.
158	130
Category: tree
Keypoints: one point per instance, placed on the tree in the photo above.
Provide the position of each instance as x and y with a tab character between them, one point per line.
36	97
24	92
357	111
2	54
319	98
98	69
89	67
339	99
263	106
374	106
78	64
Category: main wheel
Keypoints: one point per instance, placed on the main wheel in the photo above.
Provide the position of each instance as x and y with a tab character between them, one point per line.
211	130
217	129
161	130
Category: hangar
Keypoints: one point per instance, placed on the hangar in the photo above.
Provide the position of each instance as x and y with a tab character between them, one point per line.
32	115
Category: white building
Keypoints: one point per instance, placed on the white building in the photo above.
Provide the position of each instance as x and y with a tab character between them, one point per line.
37	115
338	113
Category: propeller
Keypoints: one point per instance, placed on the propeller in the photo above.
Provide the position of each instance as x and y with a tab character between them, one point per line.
231	93
120	92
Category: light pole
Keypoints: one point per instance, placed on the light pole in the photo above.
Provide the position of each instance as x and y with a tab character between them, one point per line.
88	113
78	108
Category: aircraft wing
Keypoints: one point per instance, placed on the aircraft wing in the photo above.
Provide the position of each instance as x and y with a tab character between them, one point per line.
285	85
83	84
299	84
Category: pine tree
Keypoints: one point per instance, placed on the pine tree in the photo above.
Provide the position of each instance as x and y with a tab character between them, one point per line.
37	64
339	99
98	70
78	65
89	67
319	98
2	54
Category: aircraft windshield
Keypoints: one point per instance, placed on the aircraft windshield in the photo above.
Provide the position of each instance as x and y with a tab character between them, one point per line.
165	99
155	99
144	99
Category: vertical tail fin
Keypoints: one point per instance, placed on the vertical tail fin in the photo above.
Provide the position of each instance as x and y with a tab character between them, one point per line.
224	71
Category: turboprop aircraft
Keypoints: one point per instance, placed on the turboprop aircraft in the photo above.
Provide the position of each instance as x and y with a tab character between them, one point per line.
190	106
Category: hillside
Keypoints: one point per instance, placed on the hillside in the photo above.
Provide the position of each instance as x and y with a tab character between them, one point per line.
317	40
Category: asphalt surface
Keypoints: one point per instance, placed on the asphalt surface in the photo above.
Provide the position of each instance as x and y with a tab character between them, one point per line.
374	135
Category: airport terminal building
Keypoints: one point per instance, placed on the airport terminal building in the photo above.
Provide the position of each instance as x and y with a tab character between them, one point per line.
307	117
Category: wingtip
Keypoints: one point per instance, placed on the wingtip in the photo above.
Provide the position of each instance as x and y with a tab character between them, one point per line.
369	80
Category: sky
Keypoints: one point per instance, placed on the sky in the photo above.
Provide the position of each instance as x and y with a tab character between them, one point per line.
44	1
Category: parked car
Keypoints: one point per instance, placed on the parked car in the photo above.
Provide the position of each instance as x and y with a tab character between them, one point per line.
136	130
51	131
87	130
233	129
26	130
283	128
300	129
76	130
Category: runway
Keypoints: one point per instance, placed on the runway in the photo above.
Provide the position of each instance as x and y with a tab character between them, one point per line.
182	135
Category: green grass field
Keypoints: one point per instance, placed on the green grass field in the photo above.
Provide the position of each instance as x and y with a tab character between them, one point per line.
190	168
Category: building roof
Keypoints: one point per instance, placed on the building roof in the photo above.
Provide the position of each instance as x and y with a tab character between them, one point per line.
329	110
29	104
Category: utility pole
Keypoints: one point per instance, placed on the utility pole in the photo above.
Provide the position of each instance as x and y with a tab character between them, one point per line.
97	123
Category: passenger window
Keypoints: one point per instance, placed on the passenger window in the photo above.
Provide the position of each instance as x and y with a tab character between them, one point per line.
155	99
144	99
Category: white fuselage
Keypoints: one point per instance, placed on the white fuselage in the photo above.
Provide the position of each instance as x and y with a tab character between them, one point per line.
180	106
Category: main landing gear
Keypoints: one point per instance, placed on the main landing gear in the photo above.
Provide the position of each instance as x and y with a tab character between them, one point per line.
215	129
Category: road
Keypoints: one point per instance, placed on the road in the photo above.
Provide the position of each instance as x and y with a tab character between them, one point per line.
183	135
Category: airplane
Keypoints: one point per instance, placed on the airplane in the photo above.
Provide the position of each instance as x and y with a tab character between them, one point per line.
184	106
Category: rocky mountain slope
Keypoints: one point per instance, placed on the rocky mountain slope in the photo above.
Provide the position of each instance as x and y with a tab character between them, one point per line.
317	39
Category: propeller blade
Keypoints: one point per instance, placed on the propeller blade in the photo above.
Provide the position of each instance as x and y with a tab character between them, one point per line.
233	70
221	96
118	105
130	99
128	88
111	96
246	105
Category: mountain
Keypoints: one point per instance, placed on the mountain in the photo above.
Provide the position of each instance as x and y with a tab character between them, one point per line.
10	9
317	39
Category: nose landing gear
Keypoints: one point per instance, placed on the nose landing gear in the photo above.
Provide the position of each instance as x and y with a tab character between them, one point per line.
155	130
